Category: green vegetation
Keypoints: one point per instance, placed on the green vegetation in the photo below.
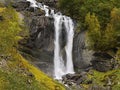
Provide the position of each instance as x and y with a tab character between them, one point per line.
15	72
110	78
100	17
101	21
100	40
79	8
9	29
15	80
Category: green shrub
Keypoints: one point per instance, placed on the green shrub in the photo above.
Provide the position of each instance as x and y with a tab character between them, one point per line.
78	9
9	30
103	39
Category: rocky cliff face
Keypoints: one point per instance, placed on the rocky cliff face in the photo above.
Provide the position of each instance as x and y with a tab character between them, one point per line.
39	47
82	56
51	3
40	44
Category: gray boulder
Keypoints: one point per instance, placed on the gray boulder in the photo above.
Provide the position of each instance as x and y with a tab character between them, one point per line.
102	62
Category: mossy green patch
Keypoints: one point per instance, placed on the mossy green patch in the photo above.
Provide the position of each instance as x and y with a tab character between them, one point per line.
41	77
103	79
16	81
21	75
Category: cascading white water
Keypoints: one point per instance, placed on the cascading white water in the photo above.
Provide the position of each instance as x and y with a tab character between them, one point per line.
70	34
33	3
60	68
58	61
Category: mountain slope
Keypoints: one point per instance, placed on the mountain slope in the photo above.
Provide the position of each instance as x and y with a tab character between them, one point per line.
15	72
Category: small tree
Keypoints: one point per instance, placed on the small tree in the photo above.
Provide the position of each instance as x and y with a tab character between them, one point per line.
94	33
107	38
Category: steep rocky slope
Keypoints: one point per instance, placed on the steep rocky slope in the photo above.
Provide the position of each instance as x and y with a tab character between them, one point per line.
38	48
40	44
16	73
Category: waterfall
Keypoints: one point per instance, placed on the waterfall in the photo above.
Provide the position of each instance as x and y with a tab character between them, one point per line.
33	3
70	34
59	68
60	20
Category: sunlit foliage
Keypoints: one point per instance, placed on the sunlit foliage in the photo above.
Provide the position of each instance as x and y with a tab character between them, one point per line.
103	39
9	29
78	9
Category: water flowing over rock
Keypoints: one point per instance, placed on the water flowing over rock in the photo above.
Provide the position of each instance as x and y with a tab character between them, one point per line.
61	22
40	44
57	49
70	34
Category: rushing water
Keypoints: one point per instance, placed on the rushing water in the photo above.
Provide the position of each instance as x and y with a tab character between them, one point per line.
70	34
60	68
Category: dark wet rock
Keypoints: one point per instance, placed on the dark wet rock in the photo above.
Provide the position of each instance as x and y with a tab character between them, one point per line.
102	65
41	33
38	47
51	3
74	79
21	5
24	7
102	55
32	9
102	62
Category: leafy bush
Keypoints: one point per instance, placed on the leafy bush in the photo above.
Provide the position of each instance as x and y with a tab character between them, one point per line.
9	29
78	9
99	39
